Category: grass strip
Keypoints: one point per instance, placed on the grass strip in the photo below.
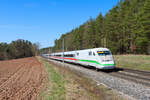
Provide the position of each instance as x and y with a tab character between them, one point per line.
55	87
138	62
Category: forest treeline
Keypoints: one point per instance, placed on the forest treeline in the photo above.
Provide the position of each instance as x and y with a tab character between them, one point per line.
124	29
18	49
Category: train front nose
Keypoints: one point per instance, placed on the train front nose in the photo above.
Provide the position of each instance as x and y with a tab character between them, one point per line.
106	59
107	62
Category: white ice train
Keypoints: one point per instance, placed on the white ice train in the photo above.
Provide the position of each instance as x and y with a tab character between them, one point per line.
101	58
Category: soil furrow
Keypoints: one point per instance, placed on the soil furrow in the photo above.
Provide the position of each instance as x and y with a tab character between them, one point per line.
26	81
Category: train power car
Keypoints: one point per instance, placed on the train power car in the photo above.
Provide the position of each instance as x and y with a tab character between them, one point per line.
101	58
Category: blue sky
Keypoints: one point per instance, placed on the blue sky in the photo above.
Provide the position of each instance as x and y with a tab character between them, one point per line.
43	21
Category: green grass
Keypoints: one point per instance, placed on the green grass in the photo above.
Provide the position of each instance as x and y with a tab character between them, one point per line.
139	62
55	87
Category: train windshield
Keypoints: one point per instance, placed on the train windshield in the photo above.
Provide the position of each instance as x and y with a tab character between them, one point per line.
103	53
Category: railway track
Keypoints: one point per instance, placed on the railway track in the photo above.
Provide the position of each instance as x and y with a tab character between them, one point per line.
145	73
136	76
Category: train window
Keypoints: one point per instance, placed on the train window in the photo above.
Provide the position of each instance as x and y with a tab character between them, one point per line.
93	54
58	55
90	53
77	54
103	53
69	55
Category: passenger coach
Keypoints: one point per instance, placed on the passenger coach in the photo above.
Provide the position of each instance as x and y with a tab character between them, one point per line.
101	58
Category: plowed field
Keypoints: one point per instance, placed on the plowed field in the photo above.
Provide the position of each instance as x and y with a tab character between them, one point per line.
21	79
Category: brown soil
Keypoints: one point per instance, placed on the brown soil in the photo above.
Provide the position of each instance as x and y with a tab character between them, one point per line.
21	79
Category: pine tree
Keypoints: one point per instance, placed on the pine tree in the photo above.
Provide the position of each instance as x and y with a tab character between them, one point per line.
90	34
112	30
144	29
99	30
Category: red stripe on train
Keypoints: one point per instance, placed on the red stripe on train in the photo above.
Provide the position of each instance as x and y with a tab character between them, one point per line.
65	58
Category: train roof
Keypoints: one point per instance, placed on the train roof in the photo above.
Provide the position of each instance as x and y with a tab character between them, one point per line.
100	49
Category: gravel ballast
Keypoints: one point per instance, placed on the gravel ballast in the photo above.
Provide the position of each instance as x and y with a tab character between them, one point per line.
131	89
